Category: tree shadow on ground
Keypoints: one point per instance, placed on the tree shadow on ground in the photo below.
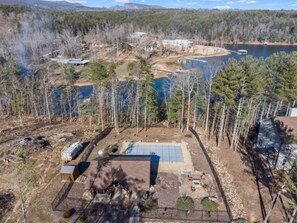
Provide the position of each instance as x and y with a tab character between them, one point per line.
6	203
258	166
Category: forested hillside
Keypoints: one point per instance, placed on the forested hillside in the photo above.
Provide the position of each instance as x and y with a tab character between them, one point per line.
262	87
204	25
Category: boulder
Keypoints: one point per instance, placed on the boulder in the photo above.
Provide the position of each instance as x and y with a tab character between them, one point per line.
88	195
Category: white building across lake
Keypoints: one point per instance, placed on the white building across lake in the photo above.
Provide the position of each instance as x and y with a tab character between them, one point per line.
183	43
138	35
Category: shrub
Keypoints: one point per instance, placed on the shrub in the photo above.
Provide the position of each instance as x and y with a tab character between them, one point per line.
209	205
150	204
111	149
82	219
67	214
184	203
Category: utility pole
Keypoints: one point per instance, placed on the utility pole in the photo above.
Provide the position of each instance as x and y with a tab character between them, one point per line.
282	190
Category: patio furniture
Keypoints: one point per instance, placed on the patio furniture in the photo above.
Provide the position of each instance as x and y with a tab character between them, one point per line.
195	184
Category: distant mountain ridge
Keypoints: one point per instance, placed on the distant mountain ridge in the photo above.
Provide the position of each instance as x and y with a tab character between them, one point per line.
64	5
51	5
140	6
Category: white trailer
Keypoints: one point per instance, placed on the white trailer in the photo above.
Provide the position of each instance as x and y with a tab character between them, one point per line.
70	152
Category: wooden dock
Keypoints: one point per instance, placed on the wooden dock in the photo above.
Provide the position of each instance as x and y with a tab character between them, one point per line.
239	53
193	59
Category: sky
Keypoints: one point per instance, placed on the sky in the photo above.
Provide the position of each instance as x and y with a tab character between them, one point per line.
199	4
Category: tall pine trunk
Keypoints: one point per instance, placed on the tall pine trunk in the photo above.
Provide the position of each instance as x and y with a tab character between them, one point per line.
207	108
276	109
211	133
262	111
268	110
288	109
221	126
101	101
189	110
115	117
47	104
182	113
137	106
236	123
145	112
195	116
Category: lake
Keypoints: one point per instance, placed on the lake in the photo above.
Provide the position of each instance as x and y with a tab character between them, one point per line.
254	50
257	51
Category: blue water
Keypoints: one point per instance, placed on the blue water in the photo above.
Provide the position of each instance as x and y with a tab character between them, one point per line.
255	50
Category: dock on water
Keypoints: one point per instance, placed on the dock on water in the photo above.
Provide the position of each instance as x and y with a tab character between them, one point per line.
193	59
239	52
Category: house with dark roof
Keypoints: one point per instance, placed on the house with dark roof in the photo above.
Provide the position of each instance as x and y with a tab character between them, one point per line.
277	140
131	172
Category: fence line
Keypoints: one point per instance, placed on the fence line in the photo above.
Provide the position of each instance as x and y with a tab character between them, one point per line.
157	214
213	172
193	215
88	150
62	194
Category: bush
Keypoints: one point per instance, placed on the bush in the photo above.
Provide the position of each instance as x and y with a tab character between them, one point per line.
209	205
67	214
184	203
82	219
111	149
148	205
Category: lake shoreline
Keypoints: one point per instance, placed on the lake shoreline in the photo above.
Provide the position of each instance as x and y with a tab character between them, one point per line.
262	43
163	67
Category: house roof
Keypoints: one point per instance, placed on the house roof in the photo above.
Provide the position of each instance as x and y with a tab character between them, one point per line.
268	136
129	171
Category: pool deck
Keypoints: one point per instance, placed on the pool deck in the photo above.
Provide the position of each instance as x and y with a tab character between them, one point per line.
167	167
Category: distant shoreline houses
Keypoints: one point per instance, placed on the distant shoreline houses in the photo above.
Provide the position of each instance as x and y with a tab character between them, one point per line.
180	43
138	35
77	61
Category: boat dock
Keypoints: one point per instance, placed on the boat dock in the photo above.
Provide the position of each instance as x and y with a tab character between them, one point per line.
193	59
239	52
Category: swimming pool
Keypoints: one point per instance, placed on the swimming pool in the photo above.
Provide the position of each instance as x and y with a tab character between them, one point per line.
167	152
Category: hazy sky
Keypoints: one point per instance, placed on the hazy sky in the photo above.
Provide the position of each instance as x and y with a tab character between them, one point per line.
209	4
